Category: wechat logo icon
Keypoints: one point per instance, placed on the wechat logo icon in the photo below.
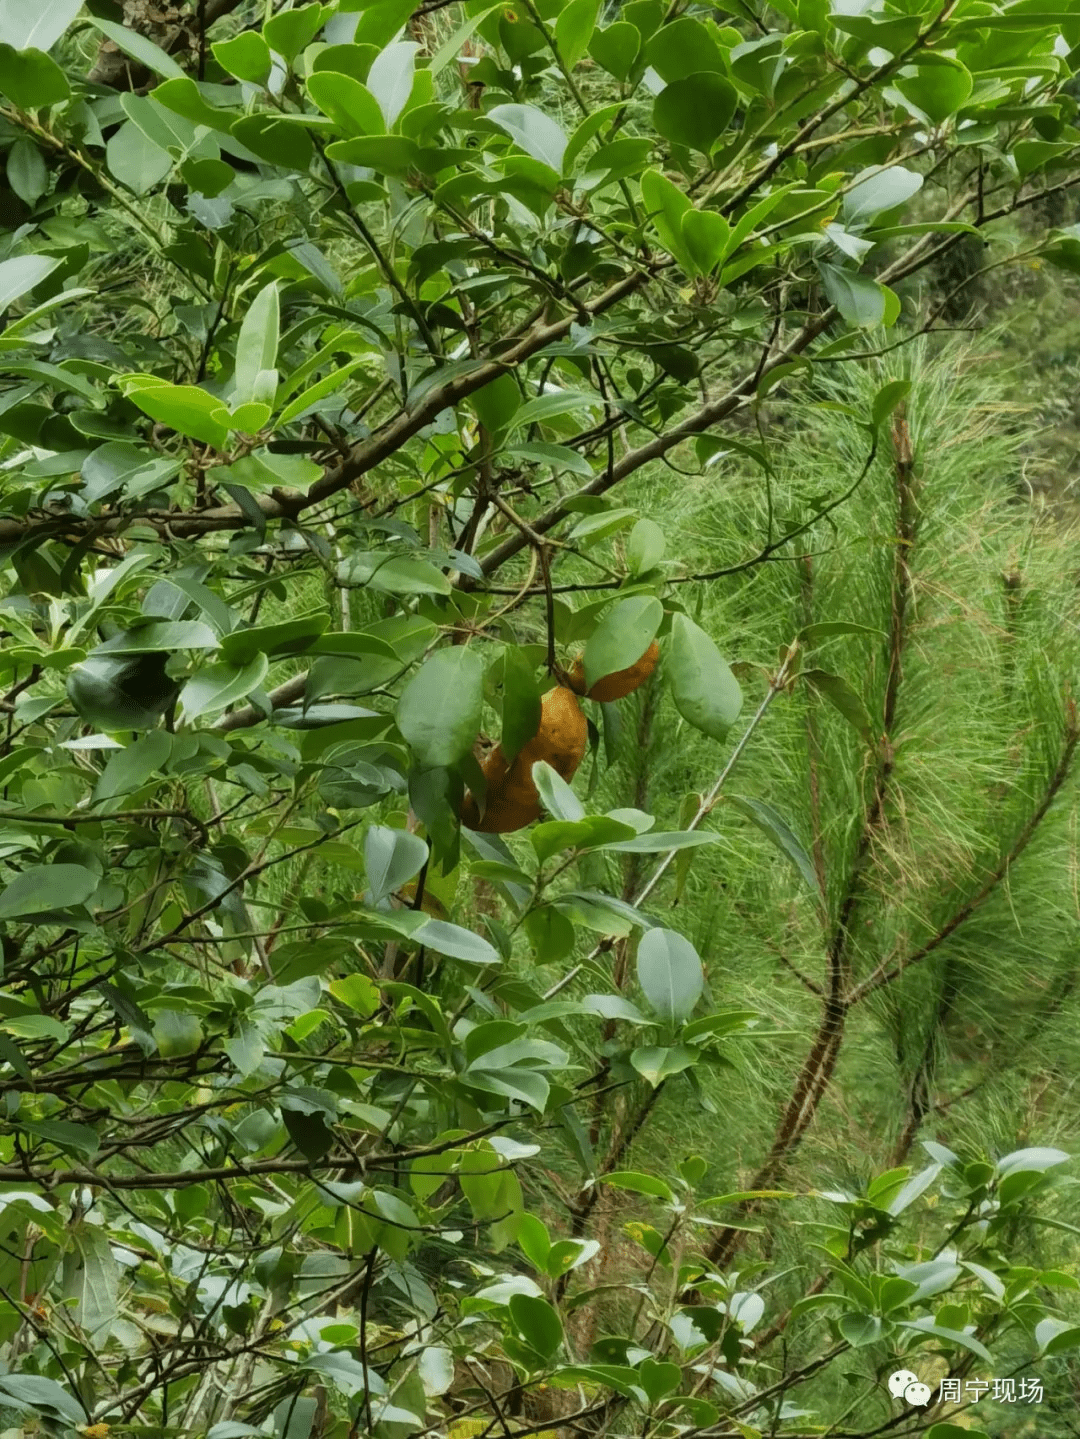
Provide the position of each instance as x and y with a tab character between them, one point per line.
905	1385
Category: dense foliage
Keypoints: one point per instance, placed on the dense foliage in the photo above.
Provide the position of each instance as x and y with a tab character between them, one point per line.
363	368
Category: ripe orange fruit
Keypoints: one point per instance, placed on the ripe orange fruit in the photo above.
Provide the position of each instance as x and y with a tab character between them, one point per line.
561	739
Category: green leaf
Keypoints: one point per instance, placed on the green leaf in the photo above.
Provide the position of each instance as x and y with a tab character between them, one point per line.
644	547
184	97
73	1138
667	206
952	1337
214	687
35	1026
860	300
706	693
550	934
622	636
92	1279
845	700
160	635
348	103
389	154
887	398
670	974
521	702
696	110
536	133
1035	1160
663	841
393	574
247	56
954	1431
290	31
658	1378
705	235
21	274
358	993
34	1389
391	857
132	43
176	1033
773	824
46	887
450	50
456	942
556	796
30	79
574	26
288	637
591	832
683	47
616	47
308	1130
497	403
129	769
876	189
135	160
283	143
184	408
256	350
390	78
657	1063
36	26
553	406
537	1322
1056	1336
860	1329
439	709
938	88
640	1184
26	171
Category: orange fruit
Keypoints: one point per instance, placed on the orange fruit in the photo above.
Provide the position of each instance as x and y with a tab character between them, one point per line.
561	739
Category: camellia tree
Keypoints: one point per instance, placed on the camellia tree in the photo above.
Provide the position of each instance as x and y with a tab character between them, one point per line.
342	346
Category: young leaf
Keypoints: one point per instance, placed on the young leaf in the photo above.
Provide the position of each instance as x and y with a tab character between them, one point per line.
256	349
